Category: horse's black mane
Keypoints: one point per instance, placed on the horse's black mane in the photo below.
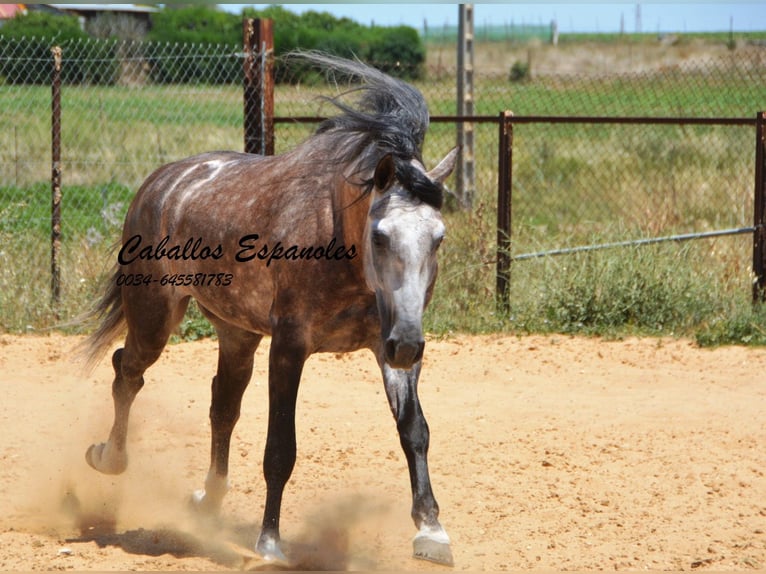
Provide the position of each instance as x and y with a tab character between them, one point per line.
389	117
419	185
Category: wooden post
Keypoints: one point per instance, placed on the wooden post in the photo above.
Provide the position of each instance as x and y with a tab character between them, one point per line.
504	194
56	180
759	209
258	40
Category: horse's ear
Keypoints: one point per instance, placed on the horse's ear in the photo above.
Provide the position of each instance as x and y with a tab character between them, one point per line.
384	172
445	167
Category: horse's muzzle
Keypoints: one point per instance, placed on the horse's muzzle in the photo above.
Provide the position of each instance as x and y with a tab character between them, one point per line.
403	354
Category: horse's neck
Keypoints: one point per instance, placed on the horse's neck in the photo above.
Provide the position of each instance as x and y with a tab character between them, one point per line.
349	207
351	214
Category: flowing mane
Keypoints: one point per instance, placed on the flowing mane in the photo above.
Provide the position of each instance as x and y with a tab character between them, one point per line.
389	116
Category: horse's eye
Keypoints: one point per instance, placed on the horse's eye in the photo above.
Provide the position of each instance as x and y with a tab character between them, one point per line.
379	239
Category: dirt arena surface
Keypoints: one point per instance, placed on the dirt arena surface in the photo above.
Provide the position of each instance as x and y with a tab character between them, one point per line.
547	453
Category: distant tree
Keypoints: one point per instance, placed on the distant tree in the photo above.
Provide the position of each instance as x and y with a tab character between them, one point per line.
28	38
197	24
35	24
202	27
397	50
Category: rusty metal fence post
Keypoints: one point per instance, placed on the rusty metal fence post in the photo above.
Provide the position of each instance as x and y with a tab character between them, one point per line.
258	39
759	208
504	192
56	180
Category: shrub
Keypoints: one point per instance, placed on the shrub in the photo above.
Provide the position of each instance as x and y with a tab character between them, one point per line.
27	40
198	24
642	288
398	51
39	24
519	71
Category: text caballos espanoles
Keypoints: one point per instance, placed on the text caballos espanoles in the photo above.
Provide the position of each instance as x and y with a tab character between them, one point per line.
135	249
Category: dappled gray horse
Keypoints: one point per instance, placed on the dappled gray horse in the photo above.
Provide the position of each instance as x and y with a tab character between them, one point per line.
330	247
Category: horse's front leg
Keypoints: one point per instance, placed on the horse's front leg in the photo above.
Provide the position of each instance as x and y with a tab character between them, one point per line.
431	542
286	358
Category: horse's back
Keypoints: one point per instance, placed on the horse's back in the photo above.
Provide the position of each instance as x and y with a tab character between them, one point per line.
189	178
265	225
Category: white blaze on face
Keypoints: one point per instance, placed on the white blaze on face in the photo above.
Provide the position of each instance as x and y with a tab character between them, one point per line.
401	238
400	266
403	246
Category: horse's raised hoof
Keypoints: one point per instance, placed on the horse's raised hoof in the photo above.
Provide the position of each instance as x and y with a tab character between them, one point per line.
105	460
433	546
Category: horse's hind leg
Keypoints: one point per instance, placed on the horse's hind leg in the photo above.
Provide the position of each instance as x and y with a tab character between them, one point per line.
150	323
110	457
235	367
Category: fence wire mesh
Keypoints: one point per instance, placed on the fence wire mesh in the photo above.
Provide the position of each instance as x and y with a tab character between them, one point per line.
576	182
129	107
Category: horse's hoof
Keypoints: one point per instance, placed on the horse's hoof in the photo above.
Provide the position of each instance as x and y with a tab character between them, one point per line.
197	499
102	458
209	500
198	503
434	547
268	548
202	504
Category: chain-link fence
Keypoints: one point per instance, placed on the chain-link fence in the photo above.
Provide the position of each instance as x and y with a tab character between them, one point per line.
129	107
126	109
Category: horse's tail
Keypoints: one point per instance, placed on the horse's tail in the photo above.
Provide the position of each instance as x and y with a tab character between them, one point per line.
109	311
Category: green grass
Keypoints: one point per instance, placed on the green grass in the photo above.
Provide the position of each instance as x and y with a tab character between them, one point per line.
651	37
85	210
91	222
523	34
699	289
25	280
744	325
713	93
573	184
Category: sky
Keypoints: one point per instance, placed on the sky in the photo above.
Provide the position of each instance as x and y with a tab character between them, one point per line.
661	17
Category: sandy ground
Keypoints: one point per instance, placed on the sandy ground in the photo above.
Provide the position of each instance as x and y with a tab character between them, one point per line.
547	453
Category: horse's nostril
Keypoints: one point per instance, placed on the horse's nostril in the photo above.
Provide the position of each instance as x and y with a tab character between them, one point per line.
390	349
403	354
419	354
